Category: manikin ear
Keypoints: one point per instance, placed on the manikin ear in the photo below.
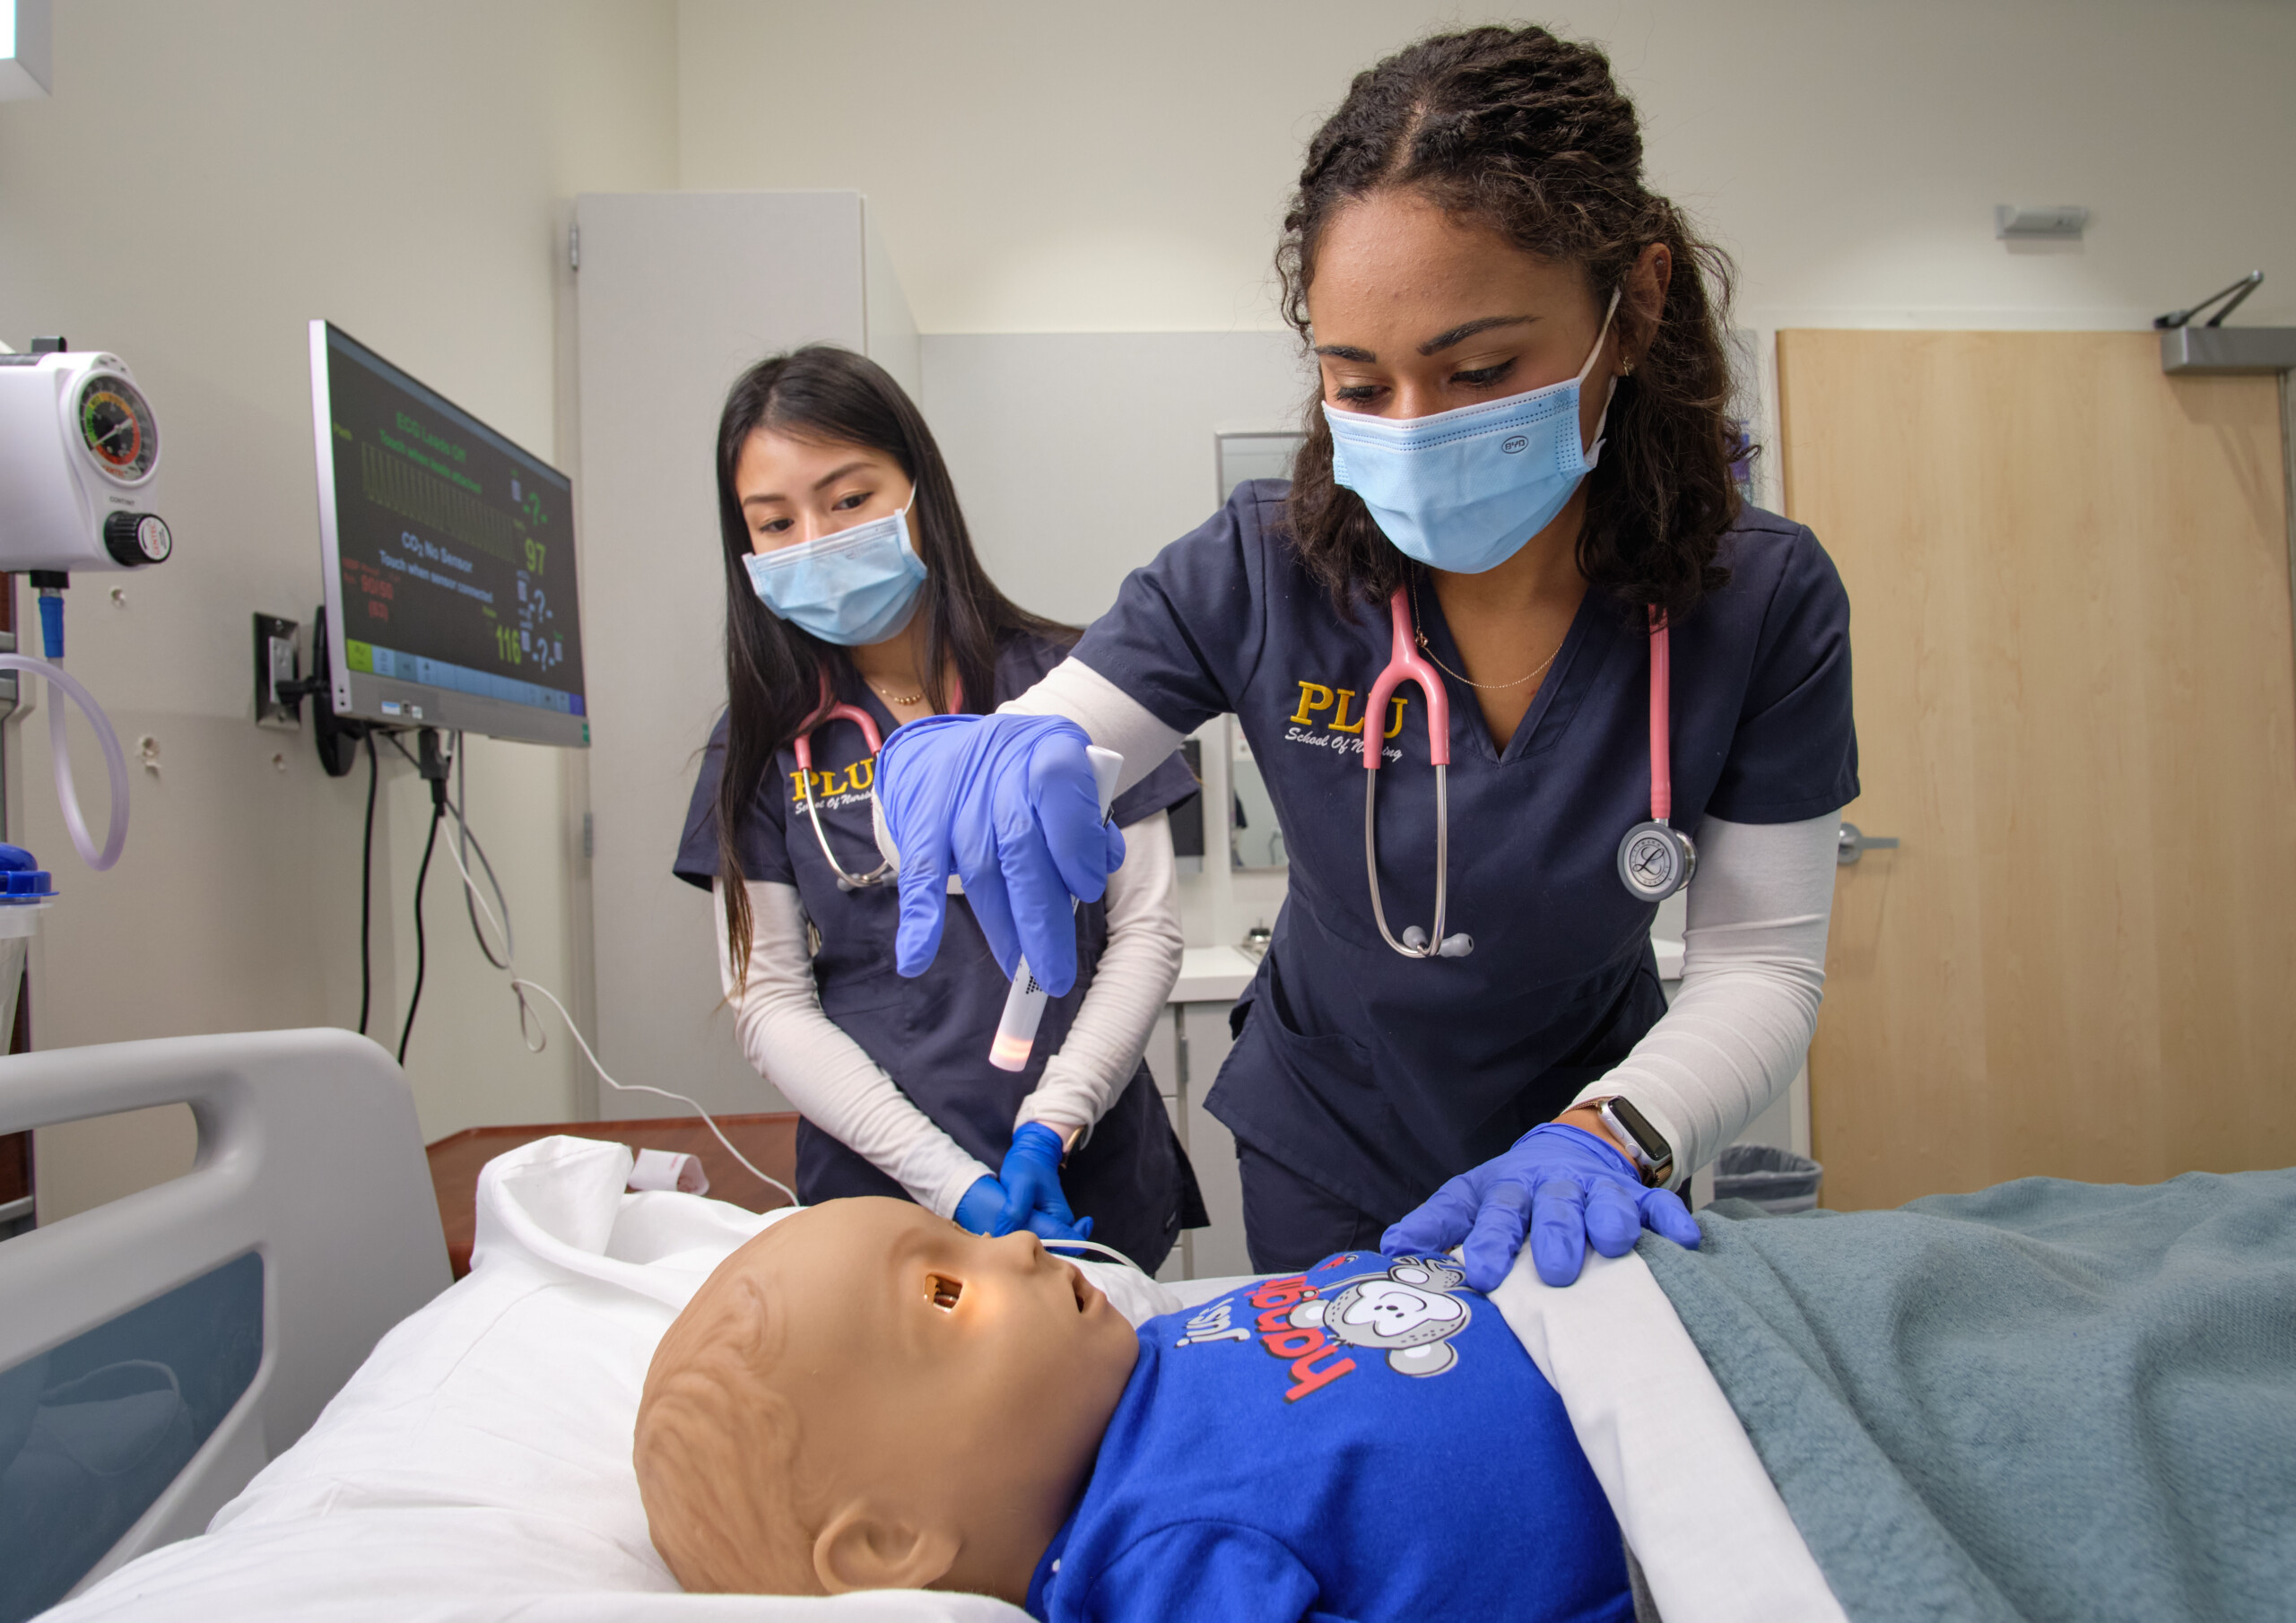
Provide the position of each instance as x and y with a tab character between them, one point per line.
860	1549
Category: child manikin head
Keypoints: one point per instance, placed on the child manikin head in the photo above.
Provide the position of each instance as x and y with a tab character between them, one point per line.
865	1396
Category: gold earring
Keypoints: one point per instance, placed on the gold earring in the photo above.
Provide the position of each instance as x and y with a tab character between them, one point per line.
1626	367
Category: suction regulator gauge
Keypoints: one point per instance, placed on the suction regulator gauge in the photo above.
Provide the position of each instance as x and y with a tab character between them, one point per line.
117	423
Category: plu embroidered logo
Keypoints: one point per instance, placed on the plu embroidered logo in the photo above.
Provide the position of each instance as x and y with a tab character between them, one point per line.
1327	718
837	786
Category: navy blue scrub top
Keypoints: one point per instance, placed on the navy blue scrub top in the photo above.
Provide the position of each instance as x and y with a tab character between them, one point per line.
931	1035
1375	1076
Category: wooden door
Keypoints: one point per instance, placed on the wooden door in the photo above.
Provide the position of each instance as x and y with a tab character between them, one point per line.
2068	575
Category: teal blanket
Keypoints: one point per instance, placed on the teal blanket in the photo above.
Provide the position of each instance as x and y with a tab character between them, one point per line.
2046	1400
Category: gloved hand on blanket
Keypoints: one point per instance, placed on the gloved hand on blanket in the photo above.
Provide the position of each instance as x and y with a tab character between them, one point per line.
1567	1185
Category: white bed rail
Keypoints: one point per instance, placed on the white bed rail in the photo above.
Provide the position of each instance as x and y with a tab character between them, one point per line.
310	1156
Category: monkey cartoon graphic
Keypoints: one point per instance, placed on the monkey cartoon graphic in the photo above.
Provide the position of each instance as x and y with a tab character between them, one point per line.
1407	1313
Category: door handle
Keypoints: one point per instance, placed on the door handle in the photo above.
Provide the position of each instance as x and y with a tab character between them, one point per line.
1855	842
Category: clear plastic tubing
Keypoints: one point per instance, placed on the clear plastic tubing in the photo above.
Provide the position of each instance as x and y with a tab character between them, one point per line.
1016	1033
115	760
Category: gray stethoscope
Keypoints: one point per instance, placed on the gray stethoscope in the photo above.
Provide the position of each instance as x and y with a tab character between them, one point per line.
1655	859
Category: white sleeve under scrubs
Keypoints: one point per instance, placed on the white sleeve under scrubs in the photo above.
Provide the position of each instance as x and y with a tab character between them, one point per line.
913	1051
1375	1076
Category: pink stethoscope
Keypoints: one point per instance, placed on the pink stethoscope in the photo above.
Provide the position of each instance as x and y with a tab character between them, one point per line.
803	748
1655	859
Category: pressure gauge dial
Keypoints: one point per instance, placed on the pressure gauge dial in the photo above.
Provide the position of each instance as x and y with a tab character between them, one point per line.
116	423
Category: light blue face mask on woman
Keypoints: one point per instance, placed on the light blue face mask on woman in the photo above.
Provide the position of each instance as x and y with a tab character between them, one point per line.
1463	490
857	587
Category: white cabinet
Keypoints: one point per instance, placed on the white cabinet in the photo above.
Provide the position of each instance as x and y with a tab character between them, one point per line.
1185	1053
676	294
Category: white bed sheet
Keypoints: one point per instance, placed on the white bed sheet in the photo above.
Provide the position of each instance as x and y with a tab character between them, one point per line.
477	1467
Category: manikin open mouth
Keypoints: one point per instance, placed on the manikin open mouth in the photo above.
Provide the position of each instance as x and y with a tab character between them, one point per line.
944	1292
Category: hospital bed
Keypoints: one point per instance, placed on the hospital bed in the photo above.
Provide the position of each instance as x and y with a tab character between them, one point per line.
267	1348
159	1350
365	1440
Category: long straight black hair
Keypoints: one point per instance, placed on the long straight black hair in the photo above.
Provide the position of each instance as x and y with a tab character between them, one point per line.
775	671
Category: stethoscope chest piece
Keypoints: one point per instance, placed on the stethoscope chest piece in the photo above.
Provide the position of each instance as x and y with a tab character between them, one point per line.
1655	860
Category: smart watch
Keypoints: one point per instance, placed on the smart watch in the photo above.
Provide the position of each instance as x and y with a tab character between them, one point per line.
1645	1146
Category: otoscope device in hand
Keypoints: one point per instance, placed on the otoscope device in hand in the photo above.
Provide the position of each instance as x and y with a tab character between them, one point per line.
1016	1033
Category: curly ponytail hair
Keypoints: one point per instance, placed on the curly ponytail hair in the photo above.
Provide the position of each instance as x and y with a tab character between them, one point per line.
1530	135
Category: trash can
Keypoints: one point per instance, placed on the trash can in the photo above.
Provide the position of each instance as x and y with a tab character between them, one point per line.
1778	1181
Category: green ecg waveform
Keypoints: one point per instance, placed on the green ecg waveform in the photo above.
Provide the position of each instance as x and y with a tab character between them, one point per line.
408	491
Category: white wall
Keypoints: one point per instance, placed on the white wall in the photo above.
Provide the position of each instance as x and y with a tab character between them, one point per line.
1044	166
205	178
1077	455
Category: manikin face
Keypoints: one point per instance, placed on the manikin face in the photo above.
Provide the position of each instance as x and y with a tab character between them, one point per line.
793	490
1416	312
948	1382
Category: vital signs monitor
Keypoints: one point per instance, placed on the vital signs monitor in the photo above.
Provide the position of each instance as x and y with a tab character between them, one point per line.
449	560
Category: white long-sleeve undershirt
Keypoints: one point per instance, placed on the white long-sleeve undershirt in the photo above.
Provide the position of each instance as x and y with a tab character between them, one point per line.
1754	971
833	1081
1753	951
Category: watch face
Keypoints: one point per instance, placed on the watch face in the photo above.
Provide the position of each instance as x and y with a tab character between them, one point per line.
117	427
1637	1127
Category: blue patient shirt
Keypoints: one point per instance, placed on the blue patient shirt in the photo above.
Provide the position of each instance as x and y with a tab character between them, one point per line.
1366	1440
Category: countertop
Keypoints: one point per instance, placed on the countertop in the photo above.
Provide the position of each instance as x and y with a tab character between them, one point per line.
1219	974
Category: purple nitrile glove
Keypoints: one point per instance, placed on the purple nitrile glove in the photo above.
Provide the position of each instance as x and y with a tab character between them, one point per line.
1566	1184
1033	1198
1009	803
981	1211
981	1208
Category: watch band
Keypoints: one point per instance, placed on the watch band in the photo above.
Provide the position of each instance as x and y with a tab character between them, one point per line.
1645	1146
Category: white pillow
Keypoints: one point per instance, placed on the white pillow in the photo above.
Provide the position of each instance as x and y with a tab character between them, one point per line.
478	1464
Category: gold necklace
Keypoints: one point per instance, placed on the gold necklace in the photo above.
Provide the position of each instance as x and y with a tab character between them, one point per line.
891	698
1419	633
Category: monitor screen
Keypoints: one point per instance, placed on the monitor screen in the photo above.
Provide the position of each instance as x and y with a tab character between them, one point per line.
449	558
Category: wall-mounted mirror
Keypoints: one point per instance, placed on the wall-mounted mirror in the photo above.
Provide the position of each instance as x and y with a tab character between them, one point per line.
1255	838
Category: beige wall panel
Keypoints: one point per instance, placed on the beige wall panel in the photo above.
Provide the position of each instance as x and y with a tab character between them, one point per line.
2076	705
678	293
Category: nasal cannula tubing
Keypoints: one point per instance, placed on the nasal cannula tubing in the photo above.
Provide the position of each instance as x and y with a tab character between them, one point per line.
1059	1245
1016	1032
521	986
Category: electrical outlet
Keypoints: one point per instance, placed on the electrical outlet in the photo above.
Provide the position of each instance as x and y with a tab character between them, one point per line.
277	659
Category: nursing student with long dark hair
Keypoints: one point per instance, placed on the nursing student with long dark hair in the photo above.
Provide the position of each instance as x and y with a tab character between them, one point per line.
855	603
1515	661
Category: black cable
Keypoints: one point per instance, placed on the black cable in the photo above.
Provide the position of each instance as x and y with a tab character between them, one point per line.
433	764
367	890
438	816
470	903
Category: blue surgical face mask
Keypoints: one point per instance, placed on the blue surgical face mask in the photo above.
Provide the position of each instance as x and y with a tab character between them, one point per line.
857	587
1463	490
